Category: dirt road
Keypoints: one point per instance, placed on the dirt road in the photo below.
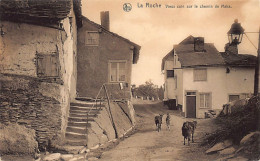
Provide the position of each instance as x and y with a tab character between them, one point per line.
149	145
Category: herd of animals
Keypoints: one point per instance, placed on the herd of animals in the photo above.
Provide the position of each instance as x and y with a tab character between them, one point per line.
188	127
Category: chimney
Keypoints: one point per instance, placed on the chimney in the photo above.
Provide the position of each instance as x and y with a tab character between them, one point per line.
199	44
104	16
231	48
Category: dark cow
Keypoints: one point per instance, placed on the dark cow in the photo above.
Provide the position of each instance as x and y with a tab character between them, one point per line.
188	129
158	121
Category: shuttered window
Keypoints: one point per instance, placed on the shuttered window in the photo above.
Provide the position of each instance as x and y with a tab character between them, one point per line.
92	38
47	65
233	98
200	74
205	100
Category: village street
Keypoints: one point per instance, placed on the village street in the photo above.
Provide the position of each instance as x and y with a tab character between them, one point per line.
149	145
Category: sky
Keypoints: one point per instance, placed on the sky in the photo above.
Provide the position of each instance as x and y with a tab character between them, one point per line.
156	30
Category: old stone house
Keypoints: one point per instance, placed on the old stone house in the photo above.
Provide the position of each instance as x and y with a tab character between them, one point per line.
50	56
199	78
104	57
38	64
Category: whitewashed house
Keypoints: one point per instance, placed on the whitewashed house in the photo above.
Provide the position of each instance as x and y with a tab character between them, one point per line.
199	78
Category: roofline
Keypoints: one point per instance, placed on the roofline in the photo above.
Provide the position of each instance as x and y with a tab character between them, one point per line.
136	47
220	65
164	58
114	34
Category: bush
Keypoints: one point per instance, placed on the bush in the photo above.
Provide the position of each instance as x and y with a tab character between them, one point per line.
17	139
242	120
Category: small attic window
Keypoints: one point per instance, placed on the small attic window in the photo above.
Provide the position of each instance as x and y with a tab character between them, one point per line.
92	38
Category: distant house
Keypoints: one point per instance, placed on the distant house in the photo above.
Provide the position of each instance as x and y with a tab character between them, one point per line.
38	64
103	57
197	77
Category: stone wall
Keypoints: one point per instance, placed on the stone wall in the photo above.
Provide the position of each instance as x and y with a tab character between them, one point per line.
39	103
22	102
106	128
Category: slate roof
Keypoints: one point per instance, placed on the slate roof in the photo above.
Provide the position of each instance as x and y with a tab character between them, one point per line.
39	12
189	58
136	47
211	57
239	60
169	56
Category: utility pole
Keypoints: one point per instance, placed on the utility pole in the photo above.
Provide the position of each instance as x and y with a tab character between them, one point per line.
256	85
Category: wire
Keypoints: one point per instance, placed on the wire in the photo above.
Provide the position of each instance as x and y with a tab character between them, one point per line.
251	41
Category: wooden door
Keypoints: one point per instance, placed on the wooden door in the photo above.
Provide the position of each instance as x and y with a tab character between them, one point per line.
191	106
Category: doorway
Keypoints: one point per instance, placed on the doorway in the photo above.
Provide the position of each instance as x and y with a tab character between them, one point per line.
191	105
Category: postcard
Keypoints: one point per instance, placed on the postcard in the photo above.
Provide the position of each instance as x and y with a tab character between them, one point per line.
129	80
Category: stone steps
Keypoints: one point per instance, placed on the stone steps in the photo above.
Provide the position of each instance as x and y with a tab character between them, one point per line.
87	99
91	104
79	108
80	119
79	122
75	136
78	142
83	115
79	130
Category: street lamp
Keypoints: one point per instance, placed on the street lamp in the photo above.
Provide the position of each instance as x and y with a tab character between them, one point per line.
235	35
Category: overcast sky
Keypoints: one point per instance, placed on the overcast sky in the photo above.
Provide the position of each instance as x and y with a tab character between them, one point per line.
156	30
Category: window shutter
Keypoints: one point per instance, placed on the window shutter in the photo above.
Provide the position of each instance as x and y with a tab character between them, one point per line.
47	65
200	74
40	65
53	66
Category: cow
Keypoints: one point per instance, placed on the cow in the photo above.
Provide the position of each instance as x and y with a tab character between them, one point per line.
188	129
158	121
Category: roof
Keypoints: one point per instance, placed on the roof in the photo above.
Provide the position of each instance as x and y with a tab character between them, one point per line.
169	56
39	12
239	60
211	57
189	58
136	47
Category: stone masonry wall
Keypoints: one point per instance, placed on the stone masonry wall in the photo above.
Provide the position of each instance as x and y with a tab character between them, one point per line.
39	103
22	102
102	129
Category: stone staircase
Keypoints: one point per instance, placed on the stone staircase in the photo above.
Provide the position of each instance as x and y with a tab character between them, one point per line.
78	123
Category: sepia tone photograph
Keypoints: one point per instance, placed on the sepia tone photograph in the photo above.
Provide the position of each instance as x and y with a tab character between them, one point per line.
129	80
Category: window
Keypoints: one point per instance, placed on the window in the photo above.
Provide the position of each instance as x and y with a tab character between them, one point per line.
117	71
92	38
170	73
233	98
200	74
205	100
47	65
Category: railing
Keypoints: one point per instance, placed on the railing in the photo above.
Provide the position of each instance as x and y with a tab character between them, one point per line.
101	99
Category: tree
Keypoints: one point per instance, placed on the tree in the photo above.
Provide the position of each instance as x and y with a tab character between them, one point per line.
148	90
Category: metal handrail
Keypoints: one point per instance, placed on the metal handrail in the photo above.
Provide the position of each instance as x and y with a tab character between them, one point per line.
108	100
